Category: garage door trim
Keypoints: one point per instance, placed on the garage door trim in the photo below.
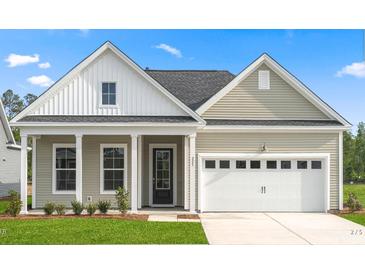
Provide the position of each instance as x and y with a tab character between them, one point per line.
263	156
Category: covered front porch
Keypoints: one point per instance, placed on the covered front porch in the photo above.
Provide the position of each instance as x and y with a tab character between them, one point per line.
154	164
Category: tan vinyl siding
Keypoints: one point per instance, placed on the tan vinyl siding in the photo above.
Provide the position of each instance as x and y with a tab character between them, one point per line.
147	140
276	143
91	168
246	101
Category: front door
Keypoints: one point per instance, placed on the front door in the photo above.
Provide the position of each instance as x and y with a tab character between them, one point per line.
162	176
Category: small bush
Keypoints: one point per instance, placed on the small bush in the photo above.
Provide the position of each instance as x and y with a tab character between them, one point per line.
77	207
122	199
104	206
353	202
15	204
49	208
60	209
91	208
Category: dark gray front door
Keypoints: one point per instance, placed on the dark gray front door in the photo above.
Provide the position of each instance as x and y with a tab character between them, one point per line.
162	176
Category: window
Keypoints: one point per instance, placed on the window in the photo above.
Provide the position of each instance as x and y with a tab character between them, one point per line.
240	164
113	165
264	79
209	163
108	96
271	164
316	164
64	168
224	164
302	164
255	164
285	165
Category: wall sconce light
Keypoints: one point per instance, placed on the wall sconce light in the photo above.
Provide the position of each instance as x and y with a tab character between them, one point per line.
264	148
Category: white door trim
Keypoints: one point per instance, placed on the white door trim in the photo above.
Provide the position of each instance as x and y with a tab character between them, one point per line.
150	159
289	155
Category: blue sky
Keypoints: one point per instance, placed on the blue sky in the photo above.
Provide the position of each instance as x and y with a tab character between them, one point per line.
314	56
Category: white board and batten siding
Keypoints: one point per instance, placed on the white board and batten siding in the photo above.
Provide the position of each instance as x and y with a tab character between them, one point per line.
82	94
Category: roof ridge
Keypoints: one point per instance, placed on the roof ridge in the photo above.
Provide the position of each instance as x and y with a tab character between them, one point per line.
188	70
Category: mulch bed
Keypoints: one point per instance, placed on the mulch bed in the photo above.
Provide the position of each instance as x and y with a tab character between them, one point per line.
188	216
129	217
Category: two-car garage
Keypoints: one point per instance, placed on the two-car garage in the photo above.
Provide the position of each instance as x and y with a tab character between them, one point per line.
264	182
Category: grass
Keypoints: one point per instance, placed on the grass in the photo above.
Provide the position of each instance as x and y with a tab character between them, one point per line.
356	218
99	231
4	204
358	189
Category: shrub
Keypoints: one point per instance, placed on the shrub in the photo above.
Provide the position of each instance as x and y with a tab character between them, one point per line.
49	208
122	199
353	202
77	207
103	206
91	208
60	209
15	204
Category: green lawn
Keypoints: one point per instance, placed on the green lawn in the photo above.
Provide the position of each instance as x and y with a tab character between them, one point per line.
356	218
358	189
99	231
4	204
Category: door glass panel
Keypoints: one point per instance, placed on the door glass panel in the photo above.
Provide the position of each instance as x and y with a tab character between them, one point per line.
302	164
240	164
224	164
209	163
162	169
316	164
255	164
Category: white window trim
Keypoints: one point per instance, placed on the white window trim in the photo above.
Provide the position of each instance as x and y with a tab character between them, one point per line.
54	190
100	91
262	74
125	179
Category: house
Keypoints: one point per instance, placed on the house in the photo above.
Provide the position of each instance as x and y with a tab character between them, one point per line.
198	140
9	157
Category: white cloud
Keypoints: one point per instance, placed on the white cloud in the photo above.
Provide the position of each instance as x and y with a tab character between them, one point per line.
356	69
41	80
15	60
174	51
45	65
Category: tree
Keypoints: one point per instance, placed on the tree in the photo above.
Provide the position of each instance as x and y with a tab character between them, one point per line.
348	155
359	152
29	98
13	104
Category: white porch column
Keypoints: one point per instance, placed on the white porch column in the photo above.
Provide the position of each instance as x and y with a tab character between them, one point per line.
340	170
23	173
139	150
186	173
79	167
192	172
34	170
134	176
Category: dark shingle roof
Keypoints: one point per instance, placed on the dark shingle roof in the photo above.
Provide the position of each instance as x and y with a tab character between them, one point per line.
192	87
106	119
213	122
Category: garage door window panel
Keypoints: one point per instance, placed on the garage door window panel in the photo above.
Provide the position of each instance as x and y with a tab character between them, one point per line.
316	165
254	164
285	164
224	164
240	164
302	164
210	164
271	164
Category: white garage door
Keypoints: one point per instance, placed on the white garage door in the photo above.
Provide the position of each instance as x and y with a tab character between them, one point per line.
270	184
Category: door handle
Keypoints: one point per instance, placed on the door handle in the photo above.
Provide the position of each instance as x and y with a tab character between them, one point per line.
264	189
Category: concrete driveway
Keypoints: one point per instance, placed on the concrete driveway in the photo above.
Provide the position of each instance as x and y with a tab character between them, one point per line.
280	228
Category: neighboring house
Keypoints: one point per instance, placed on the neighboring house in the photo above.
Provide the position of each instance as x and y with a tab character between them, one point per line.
9	157
195	139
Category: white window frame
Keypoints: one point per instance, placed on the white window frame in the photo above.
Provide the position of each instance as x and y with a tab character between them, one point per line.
264	80
125	180
54	173
101	95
